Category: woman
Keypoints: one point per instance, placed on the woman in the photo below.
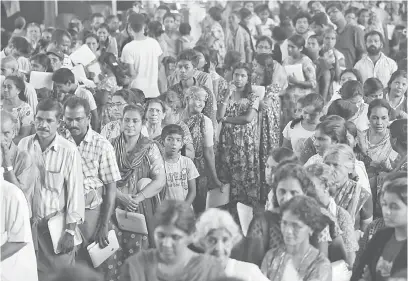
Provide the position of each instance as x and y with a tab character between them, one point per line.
138	158
297	88
375	142
202	132
13	101
217	234
264	233
272	76
275	157
172	260
352	91
301	217
237	154
323	178
118	102
92	41
107	43
386	253
156	112
213	35
349	194
396	96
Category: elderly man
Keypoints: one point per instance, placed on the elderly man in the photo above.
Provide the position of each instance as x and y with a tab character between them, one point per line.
18	166
9	66
100	172
60	191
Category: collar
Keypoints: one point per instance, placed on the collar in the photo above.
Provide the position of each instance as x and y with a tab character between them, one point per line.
54	145
87	138
88	135
381	56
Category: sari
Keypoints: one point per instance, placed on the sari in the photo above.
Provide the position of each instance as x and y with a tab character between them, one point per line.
145	161
145	267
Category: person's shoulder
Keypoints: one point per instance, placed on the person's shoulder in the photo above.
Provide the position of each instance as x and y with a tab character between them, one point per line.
61	142
185	161
24	142
100	141
11	192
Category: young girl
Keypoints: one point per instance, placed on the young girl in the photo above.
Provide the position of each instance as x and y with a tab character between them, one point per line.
299	130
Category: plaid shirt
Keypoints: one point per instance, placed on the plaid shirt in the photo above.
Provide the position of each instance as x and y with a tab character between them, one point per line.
98	164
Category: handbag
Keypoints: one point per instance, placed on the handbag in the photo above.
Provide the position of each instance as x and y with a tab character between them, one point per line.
132	222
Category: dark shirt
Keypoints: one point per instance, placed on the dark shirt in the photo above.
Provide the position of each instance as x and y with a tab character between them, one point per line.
351	43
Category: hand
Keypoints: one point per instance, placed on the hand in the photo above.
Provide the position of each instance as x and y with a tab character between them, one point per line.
292	79
133	204
219	184
66	243
6	154
366	274
231	89
101	236
267	102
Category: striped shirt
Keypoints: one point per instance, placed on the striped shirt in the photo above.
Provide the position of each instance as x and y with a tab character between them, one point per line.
98	165
61	179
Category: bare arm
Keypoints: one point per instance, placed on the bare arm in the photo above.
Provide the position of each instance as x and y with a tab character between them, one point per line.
192	191
10	248
190	153
243	119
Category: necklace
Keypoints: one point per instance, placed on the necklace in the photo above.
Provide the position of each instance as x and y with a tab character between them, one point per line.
303	259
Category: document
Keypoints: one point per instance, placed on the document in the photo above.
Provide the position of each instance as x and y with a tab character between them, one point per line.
295	70
41	80
99	255
83	55
216	198
56	226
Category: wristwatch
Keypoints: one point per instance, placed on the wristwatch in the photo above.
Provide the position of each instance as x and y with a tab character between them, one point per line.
8	169
72	232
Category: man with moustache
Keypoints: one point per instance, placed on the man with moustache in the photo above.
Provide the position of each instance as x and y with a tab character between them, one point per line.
375	63
60	188
100	172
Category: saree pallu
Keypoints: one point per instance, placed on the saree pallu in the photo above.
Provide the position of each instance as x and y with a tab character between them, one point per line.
196	125
132	171
351	196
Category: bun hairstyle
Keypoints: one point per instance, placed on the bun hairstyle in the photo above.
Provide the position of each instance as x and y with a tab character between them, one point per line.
342	108
351	89
334	126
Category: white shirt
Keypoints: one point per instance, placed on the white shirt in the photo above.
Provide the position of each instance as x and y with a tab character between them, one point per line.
382	69
297	136
144	56
15	227
85	94
244	271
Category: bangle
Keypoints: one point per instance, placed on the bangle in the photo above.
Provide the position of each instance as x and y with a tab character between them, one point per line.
224	119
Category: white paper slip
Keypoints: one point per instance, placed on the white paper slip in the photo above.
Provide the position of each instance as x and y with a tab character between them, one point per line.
83	55
95	68
216	198
296	70
390	30
99	255
41	80
340	271
245	214
56	226
79	72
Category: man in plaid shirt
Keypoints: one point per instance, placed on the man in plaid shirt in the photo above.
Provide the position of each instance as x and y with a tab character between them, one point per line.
100	171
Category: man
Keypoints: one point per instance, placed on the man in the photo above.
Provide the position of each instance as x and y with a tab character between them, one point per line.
375	63
17	251
9	66
350	39
18	166
320	23
61	40
280	47
56	58
238	39
96	20
100	172
142	58
60	190
65	85
301	22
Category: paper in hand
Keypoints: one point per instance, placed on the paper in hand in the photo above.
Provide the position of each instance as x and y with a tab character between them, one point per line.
83	55
41	80
216	198
295	70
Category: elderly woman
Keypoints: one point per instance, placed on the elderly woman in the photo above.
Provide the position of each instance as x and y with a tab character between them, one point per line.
301	217
264	231
202	132
172	259
217	234
155	114
138	159
323	177
349	194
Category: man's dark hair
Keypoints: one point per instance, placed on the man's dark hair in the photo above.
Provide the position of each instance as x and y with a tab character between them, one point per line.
50	104
75	102
189	55
63	76
372	33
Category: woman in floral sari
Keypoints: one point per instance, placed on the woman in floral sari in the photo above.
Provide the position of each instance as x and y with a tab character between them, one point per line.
237	154
138	158
202	132
270	74
349	194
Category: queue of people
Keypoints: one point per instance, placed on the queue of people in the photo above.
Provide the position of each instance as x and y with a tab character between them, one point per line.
297	111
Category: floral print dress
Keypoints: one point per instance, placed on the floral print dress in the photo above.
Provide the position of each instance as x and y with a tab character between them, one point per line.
237	155
24	116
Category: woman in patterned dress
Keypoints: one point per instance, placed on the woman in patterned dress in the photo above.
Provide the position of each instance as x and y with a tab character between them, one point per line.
270	74
237	155
14	102
202	132
138	158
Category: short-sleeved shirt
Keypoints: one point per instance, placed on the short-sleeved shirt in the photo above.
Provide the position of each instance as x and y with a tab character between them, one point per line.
144	56
85	94
297	136
177	176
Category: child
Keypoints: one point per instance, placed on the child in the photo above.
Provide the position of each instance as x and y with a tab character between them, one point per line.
299	130
169	65
181	172
186	40
373	89
267	24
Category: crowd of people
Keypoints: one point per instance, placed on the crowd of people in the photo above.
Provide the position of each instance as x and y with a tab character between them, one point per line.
295	109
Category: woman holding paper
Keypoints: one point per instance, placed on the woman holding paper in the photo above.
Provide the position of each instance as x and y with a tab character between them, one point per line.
202	132
12	95
172	259
138	158
301	76
301	217
217	234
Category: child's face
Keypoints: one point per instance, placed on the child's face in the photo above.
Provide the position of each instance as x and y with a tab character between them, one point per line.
329	40
298	110
312	45
374	96
310	115
173	144
351	19
171	67
169	23
264	15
